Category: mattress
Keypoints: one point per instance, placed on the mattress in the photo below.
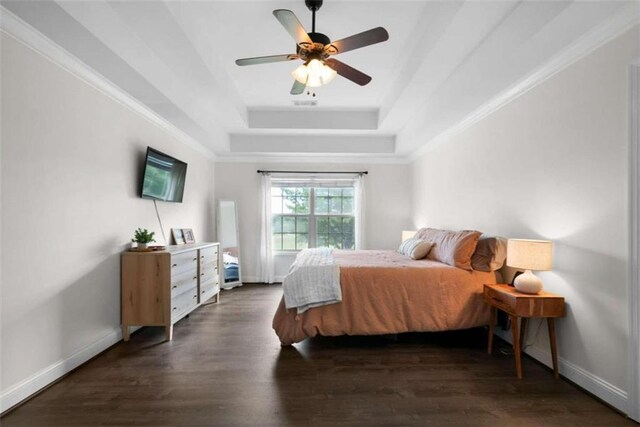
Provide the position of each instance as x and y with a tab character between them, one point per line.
384	292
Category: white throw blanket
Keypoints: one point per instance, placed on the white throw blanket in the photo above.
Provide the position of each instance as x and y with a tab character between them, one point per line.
313	280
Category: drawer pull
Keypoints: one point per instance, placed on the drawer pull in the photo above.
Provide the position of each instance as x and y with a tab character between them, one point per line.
202	274
174	265
201	256
202	292
174	286
195	277
195	259
175	308
195	296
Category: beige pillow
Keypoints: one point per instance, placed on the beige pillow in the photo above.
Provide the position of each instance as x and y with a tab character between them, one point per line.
415	248
490	253
451	247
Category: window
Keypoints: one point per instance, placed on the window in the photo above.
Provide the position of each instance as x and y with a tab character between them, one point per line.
309	216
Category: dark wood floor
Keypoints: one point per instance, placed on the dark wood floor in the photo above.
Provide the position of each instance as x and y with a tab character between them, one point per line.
225	367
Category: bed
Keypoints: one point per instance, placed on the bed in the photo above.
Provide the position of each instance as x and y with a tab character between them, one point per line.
385	292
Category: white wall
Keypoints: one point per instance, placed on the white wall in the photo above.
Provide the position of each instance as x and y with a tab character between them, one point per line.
553	164
387	209
71	163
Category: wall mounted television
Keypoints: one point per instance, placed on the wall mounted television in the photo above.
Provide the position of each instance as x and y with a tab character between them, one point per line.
164	177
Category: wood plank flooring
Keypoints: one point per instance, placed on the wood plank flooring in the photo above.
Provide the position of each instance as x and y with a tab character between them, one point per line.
225	367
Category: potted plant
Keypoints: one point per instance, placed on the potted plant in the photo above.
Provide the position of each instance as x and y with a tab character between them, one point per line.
142	237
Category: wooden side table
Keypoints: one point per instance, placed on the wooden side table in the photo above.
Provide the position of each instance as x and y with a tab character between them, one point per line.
519	305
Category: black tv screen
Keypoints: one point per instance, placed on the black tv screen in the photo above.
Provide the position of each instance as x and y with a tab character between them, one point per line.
163	178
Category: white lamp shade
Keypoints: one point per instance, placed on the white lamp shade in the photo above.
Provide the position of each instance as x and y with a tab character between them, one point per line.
407	234
530	254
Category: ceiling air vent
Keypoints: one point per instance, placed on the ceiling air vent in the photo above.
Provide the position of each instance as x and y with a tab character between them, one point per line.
305	103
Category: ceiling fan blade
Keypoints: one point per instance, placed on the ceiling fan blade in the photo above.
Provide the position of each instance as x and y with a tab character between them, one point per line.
297	88
348	72
293	26
266	59
356	41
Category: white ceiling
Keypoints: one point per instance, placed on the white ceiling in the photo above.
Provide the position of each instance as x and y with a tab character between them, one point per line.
444	60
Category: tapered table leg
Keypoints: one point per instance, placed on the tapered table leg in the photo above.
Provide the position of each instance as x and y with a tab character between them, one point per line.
516	345
552	343
523	332
492	323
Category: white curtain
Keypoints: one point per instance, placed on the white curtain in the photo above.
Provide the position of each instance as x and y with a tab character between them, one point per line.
265	268
360	209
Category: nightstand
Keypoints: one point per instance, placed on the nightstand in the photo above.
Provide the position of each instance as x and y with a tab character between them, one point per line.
519	305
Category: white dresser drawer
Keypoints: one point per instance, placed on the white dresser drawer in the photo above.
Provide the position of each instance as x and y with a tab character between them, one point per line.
209	255
184	262
183	303
181	283
208	289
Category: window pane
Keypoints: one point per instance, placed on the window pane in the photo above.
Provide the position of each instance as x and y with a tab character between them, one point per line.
348	241
288	200
348	224
335	241
276	205
347	205
322	192
302	225
302	241
322	205
335	205
335	192
302	204
289	224
347	192
321	240
322	225
276	224
277	242
335	224
289	242
288	205
276	191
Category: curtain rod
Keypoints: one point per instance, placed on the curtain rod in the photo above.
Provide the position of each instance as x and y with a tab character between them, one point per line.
317	172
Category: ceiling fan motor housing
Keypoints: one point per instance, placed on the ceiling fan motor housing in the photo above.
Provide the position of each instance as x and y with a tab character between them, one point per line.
319	38
313	5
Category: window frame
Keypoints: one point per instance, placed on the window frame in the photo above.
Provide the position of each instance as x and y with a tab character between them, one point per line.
312	216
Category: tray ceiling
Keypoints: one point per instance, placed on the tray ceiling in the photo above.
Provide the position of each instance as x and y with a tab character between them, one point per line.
444	60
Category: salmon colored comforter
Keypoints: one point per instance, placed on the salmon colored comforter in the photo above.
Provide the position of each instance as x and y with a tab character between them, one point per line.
384	292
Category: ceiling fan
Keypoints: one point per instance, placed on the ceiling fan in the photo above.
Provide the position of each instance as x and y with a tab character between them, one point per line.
315	50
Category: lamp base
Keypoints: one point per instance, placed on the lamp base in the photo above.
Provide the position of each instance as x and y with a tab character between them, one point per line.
528	283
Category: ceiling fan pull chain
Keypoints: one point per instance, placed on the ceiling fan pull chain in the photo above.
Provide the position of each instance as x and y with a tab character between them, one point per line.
313	21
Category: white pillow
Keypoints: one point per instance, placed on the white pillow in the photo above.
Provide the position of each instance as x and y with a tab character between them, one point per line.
415	248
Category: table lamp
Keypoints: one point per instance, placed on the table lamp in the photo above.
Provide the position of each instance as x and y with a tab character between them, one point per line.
529	255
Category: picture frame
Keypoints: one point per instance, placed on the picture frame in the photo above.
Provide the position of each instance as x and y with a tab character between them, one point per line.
178	237
187	234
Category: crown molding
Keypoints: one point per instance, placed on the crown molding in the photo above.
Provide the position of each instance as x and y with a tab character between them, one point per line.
15	27
310	158
626	18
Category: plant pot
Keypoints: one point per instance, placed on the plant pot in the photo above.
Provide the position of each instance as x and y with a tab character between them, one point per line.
142	246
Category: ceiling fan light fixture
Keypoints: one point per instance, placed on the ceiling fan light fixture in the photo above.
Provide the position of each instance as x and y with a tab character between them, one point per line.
314	73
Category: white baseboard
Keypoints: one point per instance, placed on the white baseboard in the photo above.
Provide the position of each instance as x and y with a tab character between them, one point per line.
48	375
592	383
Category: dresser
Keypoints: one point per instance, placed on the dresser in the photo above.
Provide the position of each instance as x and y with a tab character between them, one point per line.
160	288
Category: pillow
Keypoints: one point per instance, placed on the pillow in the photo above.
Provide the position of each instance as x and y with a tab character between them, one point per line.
415	248
490	254
451	247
